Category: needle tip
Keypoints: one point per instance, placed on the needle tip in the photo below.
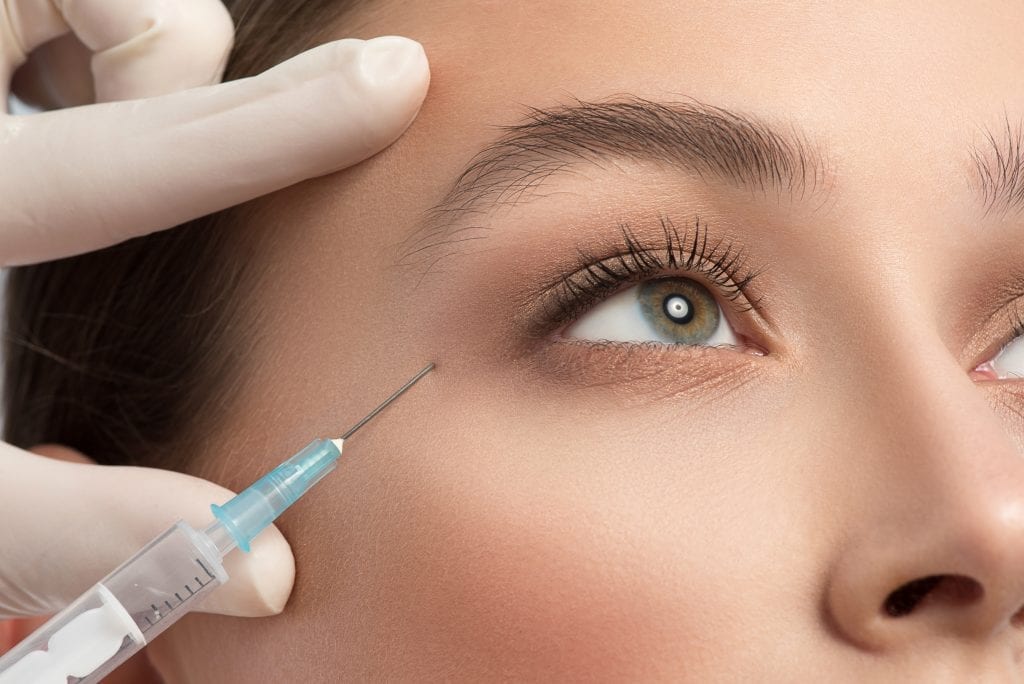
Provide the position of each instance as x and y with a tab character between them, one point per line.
397	393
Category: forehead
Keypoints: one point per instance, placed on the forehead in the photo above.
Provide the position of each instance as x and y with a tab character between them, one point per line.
924	78
876	59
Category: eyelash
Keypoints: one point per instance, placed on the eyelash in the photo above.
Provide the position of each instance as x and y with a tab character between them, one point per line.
722	263
1016	321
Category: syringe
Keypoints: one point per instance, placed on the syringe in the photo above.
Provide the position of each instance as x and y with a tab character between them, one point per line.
169	577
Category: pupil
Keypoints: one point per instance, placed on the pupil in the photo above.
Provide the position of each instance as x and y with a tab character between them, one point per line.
678	308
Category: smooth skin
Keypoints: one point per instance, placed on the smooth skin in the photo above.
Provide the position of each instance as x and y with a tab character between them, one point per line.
538	509
336	105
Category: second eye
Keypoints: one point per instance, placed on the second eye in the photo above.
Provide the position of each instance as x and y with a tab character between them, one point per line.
665	310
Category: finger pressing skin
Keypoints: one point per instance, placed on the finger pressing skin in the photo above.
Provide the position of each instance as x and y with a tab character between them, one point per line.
130	168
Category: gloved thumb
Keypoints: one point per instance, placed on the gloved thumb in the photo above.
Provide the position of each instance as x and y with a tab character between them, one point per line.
67	524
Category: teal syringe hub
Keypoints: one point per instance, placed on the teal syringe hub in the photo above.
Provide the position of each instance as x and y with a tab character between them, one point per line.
249	513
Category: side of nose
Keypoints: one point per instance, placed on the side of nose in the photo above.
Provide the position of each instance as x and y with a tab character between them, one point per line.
936	549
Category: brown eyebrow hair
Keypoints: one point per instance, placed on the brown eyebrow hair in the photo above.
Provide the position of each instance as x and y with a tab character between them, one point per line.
687	135
999	168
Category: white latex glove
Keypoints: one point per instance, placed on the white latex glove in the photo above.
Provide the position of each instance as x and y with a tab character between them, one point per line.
82	178
79	179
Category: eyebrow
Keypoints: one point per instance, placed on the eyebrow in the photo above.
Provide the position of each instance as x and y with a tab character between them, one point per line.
689	136
999	168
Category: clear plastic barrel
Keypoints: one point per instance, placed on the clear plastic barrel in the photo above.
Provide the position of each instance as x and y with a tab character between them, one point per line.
123	612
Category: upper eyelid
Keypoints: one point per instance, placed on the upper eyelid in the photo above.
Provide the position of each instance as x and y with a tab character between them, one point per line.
1010	312
640	275
633	280
567	298
724	267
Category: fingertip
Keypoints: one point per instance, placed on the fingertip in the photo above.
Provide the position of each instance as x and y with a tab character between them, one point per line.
362	94
260	581
390	61
397	70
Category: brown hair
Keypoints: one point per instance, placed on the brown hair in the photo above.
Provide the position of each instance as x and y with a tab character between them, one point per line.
127	351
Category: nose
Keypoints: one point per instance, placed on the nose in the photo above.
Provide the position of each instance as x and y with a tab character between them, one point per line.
935	549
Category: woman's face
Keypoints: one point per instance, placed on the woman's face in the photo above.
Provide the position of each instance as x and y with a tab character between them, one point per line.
831	191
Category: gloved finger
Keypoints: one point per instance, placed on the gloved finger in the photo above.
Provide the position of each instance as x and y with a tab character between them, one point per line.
131	168
141	48
67	525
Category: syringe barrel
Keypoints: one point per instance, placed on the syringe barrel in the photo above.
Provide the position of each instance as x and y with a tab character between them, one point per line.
123	612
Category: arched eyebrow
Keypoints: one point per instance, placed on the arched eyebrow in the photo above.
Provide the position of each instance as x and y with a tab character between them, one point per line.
695	137
688	136
999	168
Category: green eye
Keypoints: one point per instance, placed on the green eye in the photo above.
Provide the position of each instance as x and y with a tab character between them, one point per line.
667	310
680	309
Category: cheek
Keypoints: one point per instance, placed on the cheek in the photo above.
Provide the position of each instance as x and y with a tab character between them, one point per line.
481	557
485	571
519	575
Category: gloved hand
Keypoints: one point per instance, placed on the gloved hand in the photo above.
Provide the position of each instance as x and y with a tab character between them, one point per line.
82	178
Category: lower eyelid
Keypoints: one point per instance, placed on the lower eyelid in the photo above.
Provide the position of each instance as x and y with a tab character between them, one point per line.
646	370
656	352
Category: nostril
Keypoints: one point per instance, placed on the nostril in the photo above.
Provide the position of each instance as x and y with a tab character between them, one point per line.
903	601
953	589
